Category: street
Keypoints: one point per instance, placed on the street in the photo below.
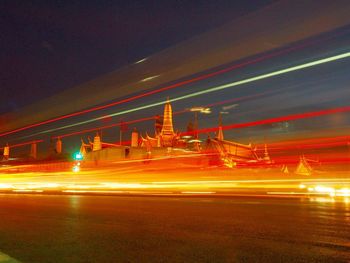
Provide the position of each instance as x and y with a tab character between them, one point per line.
83	228
174	131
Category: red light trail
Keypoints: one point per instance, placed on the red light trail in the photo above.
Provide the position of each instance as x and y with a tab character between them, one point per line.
310	143
103	127
154	117
290	117
179	84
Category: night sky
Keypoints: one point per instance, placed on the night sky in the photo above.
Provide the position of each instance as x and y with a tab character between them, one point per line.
49	46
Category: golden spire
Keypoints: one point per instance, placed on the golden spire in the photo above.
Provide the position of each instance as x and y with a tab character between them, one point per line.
167	128
220	135
167	132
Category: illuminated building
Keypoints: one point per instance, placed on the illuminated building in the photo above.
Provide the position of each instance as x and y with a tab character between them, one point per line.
220	134
284	169
158	124
134	138
59	146
303	167
167	142
97	144
6	152
83	147
231	153
266	157
167	133
164	137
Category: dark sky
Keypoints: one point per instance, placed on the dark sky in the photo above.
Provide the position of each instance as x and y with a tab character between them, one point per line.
48	46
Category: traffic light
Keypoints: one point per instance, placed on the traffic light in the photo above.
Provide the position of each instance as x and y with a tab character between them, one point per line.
78	156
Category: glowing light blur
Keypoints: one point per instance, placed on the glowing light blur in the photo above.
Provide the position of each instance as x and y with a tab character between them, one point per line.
154	117
290	117
209	90
149	78
179	84
78	156
175	177
329	190
203	110
141	60
76	168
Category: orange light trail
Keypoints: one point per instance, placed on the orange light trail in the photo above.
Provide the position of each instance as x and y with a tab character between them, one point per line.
170	177
296	186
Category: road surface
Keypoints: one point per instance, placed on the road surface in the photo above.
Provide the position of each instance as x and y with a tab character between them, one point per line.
83	228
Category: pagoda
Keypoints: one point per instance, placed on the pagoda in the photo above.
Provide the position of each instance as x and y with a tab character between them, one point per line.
165	136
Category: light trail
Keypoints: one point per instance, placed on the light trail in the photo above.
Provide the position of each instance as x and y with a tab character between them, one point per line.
314	186
313	140
239	99
307	146
275	146
290	117
197	193
209	90
138	179
104	127
179	84
154	117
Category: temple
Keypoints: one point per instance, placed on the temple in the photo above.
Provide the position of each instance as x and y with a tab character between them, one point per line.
164	143
231	153
167	142
164	132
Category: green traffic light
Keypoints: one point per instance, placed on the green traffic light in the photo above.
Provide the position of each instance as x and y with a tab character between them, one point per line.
78	156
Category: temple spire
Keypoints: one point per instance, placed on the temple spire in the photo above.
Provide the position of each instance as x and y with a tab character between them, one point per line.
167	131
167	127
58	147
220	135
97	144
82	147
266	155
6	152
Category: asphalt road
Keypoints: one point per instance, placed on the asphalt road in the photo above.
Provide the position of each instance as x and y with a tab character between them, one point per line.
72	228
